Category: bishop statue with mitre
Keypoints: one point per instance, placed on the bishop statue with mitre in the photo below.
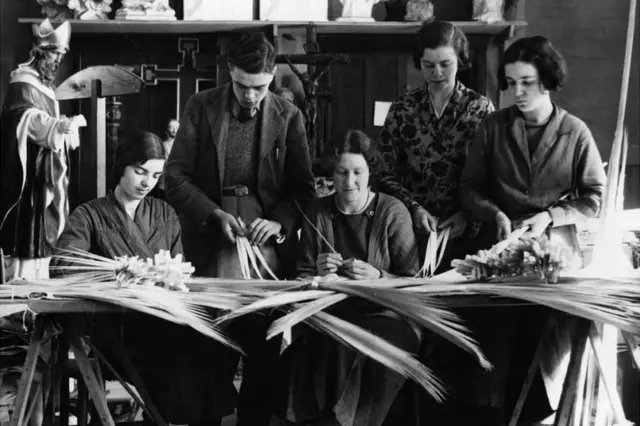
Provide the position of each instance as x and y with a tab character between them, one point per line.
35	141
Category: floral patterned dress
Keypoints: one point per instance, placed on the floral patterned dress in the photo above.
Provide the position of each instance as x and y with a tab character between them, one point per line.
423	155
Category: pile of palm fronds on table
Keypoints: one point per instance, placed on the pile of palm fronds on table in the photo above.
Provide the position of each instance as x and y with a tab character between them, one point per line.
521	255
423	301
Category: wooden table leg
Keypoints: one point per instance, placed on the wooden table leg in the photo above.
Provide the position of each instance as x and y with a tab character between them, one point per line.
531	373
63	384
84	365
609	388
570	386
28	373
634	348
147	408
133	375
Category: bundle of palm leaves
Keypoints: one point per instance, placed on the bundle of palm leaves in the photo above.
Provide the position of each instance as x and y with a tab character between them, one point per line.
525	255
125	282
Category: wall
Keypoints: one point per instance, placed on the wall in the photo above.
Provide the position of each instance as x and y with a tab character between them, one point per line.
591	36
15	38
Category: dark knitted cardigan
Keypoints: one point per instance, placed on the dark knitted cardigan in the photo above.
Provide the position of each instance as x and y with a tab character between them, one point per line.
392	243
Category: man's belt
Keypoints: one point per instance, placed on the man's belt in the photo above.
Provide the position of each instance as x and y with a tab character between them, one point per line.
236	191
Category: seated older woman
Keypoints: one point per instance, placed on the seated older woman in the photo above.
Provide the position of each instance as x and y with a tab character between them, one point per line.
177	364
373	238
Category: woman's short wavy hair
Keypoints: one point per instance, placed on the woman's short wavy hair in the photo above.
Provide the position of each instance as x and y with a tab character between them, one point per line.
539	52
355	142
135	150
435	34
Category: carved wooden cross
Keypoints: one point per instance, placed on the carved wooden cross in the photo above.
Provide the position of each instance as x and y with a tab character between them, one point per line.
194	72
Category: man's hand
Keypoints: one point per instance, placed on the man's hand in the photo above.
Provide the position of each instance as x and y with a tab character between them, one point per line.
261	230
425	221
360	270
328	263
538	223
504	226
457	222
229	225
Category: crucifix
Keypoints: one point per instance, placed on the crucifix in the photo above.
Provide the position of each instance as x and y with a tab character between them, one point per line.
97	83
314	89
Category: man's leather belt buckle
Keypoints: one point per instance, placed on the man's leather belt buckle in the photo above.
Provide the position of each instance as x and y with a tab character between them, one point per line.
236	191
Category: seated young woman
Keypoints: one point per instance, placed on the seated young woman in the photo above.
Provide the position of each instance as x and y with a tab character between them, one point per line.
177	364
373	238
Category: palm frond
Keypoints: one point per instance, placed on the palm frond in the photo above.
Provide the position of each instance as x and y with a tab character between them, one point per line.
318	233
424	310
302	313
276	300
379	350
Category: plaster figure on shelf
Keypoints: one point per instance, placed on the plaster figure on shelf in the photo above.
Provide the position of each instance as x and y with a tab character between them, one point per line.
357	10
34	158
146	9
419	10
76	9
488	11
172	129
91	9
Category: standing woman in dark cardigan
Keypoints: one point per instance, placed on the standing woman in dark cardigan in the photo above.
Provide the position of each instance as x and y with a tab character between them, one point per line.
331	384
534	165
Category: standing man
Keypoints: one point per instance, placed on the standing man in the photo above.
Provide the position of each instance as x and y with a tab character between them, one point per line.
239	165
34	157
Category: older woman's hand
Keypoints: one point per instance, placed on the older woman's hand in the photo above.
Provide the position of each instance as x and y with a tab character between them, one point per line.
457	222
359	270
424	221
328	263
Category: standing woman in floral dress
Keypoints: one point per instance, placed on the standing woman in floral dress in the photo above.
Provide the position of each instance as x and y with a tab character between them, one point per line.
424	146
426	135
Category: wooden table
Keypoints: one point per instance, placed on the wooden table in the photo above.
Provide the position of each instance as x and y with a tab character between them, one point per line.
569	412
59	313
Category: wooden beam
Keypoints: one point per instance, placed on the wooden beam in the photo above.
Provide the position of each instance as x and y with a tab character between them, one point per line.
98	144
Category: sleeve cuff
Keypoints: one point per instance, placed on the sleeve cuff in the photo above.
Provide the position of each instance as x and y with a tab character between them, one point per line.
558	216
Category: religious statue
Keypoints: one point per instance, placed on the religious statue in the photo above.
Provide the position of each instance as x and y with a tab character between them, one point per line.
357	10
34	158
488	11
419	10
76	9
170	135
146	10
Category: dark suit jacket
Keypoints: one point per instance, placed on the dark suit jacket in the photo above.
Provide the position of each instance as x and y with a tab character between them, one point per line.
195	169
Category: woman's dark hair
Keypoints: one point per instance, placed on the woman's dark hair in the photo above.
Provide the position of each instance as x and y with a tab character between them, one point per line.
435	34
539	52
253	54
355	142
135	150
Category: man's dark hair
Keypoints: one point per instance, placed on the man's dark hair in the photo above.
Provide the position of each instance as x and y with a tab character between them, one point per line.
253	54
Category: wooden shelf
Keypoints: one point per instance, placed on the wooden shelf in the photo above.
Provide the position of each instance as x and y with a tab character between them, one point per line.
331	27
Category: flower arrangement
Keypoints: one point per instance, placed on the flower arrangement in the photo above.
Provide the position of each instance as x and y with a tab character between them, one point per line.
161	271
76	9
526	256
